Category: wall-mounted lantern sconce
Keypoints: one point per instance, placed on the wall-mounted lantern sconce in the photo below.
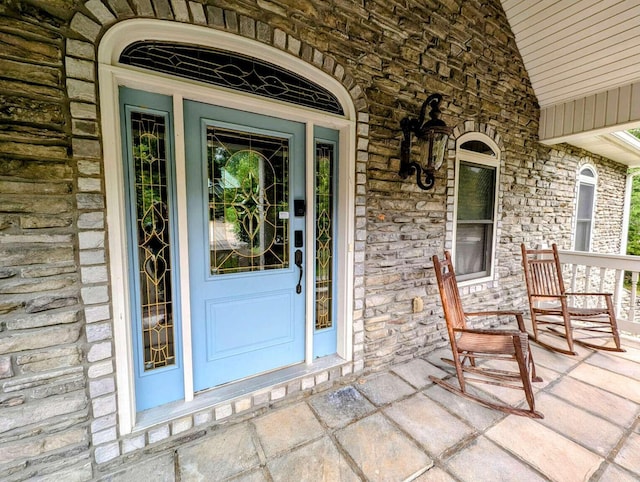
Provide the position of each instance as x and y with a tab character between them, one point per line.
431	137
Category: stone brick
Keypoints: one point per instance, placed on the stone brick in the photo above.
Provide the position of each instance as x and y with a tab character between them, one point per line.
223	411
92	221
104	405
46	319
102	423
104	436
80	69
78	48
107	452
94	274
6	370
99	351
100	369
180	10
86	184
97	313
49	359
133	443
91	239
95	295
32	447
38	411
101	387
159	433
41	338
92	256
39	379
100	12
85	27
197	12
181	425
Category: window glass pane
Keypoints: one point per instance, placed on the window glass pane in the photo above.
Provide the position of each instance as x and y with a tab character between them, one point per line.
248	195
583	241
472	253
585	201
324	234
587	172
148	134
476	192
479	147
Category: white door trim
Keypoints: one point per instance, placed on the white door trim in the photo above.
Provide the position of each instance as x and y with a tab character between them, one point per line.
111	75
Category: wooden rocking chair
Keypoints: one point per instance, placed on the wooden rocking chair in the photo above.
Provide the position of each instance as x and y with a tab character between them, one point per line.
472	345
551	305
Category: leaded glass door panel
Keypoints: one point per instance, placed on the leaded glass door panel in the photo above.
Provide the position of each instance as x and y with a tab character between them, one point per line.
244	172
149	169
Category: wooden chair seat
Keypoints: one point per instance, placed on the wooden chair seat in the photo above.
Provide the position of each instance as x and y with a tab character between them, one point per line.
493	343
551	305
476	352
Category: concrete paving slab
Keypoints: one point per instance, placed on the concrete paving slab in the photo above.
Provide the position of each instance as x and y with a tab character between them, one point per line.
381	451
417	372
555	456
554	360
319	460
559	342
629	455
607	380
482	460
435	474
605	404
341	407
616	364
582	427
384	388
431	425
253	476
223	454
473	413
613	473
286	428
160	469
632	352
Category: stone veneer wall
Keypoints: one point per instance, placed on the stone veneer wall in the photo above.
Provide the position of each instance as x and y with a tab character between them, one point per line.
58	408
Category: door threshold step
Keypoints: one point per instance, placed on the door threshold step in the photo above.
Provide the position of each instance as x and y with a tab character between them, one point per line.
244	396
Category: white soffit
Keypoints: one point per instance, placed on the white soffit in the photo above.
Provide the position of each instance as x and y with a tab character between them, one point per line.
576	51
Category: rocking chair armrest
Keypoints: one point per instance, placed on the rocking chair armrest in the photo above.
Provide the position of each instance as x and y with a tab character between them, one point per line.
517	314
483	331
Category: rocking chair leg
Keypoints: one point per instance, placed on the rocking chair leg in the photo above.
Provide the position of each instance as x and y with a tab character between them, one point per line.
493	406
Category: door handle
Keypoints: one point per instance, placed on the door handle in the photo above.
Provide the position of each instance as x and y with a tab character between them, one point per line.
298	261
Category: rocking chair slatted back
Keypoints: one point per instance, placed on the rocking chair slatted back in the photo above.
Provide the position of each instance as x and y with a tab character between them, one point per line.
449	293
543	275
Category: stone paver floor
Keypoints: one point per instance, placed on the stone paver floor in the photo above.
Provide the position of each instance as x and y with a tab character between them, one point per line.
398	426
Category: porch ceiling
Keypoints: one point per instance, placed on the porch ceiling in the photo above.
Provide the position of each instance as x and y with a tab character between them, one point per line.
583	59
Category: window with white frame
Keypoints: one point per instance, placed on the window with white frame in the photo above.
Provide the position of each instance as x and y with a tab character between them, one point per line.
587	181
476	188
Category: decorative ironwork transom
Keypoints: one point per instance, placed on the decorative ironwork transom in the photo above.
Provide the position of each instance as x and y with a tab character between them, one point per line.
231	70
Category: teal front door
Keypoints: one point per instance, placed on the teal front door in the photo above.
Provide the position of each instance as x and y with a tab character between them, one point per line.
246	215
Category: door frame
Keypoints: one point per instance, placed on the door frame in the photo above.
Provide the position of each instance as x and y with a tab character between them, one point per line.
111	75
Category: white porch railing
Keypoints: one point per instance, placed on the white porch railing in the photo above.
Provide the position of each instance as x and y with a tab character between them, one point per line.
605	273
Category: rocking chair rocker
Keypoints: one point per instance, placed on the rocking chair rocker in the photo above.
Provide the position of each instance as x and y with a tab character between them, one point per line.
471	345
551	305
